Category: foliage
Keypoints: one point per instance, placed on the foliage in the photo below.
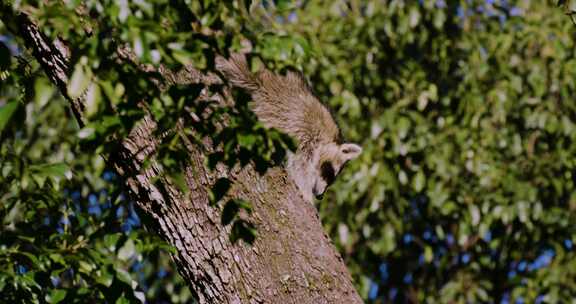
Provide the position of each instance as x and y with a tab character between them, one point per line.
68	234
464	192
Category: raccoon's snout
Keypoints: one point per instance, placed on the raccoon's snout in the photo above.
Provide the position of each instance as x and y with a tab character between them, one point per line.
318	191
315	192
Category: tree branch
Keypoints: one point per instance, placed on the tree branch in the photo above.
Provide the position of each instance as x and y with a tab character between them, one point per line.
52	58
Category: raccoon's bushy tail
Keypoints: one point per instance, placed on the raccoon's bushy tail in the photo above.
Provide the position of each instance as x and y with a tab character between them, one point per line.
237	72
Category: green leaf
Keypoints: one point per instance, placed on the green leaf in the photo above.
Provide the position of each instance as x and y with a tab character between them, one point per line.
232	208
180	181
87	132
283	5
85	267
428	254
57	295
242	230
57	258
32	258
122	300
229	212
43	91
105	278
110	241
53	170
419	181
6	113
93	97
219	189
127	251
80	79
124	276
246	140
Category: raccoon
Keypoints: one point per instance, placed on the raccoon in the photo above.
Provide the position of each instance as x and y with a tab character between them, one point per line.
287	103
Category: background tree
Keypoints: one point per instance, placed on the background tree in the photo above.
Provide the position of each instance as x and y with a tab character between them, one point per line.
464	192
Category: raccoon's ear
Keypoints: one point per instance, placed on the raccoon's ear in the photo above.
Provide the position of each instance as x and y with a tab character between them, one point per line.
350	151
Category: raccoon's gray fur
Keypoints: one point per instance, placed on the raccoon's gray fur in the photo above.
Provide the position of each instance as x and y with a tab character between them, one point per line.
288	104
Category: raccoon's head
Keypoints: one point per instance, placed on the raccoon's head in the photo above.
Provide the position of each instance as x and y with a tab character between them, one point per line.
328	161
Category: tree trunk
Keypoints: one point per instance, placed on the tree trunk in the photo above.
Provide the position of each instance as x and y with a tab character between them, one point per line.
292	259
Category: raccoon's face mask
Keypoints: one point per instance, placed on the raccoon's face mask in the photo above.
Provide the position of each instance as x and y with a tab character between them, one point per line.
330	161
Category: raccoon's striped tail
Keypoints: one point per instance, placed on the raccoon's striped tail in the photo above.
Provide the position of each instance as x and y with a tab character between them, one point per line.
237	72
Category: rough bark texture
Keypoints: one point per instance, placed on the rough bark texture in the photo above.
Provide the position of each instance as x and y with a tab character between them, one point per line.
292	259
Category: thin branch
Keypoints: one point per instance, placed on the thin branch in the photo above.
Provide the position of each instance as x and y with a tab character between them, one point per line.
51	56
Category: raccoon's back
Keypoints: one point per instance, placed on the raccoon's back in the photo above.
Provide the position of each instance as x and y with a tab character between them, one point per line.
282	102
295	112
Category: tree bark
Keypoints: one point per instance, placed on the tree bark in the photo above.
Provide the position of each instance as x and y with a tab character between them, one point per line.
292	259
